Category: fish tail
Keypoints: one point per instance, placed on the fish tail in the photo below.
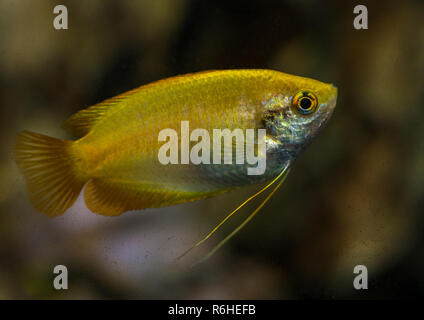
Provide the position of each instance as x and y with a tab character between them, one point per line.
48	165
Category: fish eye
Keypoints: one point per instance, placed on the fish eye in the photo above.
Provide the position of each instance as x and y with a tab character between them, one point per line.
305	102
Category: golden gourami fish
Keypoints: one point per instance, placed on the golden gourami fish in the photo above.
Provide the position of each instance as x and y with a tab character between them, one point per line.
116	154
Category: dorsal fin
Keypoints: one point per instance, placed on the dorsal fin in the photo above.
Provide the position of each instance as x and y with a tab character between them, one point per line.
83	121
80	123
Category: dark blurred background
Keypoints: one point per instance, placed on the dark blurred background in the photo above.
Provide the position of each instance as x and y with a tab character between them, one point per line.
354	197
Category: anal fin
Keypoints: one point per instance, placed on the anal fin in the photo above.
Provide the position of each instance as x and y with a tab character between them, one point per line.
112	198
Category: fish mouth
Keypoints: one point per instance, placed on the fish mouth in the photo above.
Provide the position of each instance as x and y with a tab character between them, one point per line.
333	96
329	106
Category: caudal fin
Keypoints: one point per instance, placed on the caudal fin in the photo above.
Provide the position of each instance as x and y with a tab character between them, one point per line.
48	166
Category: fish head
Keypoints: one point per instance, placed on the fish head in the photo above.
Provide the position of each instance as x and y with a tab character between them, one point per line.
296	112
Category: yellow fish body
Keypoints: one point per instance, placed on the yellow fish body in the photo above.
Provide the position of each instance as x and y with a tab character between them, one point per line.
116	155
